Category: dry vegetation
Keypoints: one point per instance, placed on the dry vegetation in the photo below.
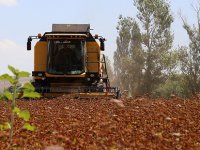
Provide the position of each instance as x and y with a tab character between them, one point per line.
107	124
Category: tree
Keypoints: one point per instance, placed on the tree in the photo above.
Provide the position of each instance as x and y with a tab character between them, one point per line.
125	57
143	58
190	56
157	38
137	61
121	55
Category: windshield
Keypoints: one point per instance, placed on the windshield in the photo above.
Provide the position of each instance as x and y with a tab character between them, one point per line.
65	57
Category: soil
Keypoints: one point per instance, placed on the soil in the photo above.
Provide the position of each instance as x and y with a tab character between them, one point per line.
140	123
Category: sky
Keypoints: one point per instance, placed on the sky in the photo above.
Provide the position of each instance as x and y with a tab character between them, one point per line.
22	18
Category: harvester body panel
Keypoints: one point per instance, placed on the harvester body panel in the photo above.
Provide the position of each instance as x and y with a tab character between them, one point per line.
40	56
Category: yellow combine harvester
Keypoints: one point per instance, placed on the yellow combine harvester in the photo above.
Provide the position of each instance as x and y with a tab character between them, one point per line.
68	60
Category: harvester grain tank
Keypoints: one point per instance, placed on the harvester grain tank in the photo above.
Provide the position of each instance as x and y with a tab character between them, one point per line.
69	60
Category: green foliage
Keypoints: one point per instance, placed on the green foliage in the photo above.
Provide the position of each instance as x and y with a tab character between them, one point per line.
30	94
25	115
27	90
157	39
13	70
174	86
16	110
5	126
23	74
28	86
1	97
8	95
190	56
9	78
29	127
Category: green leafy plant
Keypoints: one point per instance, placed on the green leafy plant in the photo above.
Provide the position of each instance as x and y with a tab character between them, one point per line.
17	90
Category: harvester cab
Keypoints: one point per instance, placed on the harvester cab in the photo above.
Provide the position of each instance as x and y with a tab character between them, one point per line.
68	60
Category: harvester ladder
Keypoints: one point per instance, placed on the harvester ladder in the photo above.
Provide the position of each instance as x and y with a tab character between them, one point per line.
103	61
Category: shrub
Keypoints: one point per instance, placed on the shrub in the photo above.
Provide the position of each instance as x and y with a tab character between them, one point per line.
24	90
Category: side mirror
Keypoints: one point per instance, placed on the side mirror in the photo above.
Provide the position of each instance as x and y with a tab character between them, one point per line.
102	45
29	43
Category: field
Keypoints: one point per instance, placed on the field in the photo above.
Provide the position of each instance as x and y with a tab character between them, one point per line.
141	123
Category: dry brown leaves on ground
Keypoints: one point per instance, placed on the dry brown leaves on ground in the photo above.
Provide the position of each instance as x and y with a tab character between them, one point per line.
141	123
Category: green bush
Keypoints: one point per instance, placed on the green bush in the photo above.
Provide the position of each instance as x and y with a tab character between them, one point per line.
176	85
